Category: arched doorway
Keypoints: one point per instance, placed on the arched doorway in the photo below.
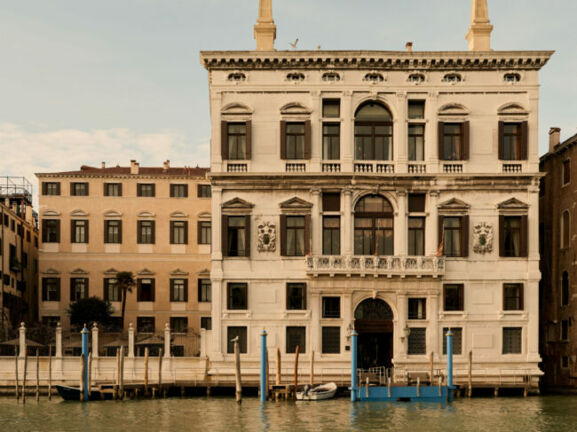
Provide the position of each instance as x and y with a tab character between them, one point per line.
374	324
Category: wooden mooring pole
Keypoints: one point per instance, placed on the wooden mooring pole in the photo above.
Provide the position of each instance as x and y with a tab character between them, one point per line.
16	371
121	375
116	393
24	377
431	366
278	367
296	372
146	371
49	372
89	374
160	372
237	376
82	372
470	375
37	375
312	371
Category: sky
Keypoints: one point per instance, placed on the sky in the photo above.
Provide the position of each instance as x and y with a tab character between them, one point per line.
83	82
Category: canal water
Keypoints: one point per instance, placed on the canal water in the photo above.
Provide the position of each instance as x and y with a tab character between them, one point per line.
533	414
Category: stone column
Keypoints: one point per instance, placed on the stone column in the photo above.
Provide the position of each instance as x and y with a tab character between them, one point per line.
400	227
94	341
166	341
347	223
315	330
433	330
400	126
347	132
22	339
431	228
130	340
217	348
58	341
431	133
216	244
316	132
316	223
399	334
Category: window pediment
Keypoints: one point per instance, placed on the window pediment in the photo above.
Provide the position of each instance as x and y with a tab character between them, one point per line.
178	272
296	204
512	109
453	109
145	214
295	108
454	205
78	213
178	214
205	273
204	215
236	109
79	271
237	204
145	272
111	271
112	214
513	205
51	213
51	272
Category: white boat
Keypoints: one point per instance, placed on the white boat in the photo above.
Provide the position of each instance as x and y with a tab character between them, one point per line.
321	392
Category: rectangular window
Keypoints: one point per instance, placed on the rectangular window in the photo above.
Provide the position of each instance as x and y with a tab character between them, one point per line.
565	362
416	236
111	291
178	232
457	340
204	232
295	236
233	333
331	307
50	289
417	202
331	108
145	290
112	231
452	142
512	343
513	236
512	296
51	321
331	202
454	237
236	236
179	324
512	139
331	235
113	189
237	298
146	190
295	141
417	308
78	289
51	188
79	231
178	290
206	323
331	141
296	296
178	191
203	191
416	142
51	231
296	336
204	290
416	109
331	340
145	324
564	330
373	141
417	341
566	172
237	141
145	232
454	297
79	189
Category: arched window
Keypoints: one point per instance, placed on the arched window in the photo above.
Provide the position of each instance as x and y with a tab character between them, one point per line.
565	289
373	226
373	132
565	230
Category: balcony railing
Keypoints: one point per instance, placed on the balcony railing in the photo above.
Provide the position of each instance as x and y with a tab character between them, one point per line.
512	168
374	167
237	167
419	266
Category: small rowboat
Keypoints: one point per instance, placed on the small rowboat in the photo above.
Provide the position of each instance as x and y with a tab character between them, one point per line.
321	392
72	393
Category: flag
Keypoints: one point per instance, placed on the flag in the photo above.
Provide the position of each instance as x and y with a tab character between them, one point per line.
441	245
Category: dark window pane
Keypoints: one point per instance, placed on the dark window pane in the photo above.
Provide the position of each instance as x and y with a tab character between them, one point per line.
331	107
179	324
331	340
295	336
237	296
331	307
457	340
512	343
453	297
416	109
236	236
513	297
204	290
417	341
417	308
237	138
296	296
145	324
206	323
232	333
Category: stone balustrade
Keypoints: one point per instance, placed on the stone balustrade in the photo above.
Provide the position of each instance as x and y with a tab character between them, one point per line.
389	266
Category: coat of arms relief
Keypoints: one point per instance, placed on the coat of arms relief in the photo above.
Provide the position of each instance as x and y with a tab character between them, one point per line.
483	238
266	237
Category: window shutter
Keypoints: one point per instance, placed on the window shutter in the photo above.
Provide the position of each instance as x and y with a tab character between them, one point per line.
152	289
307	139
248	239
105	232
57	289
87	228
87	189
185	290
72	236
501	235
153	232
86	288
465	236
283	248
58	231
248	139
461	297
185	232
153	189
198	237
172	296
465	151
224	140
119	231
171	191
441	138
44	289
171	232
283	139
120	189
224	235
524	152
501	140
522	296
44	188
105	293
524	237
71	289
58	188
307	234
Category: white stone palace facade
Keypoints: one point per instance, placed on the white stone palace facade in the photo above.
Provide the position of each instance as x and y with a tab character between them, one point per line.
391	192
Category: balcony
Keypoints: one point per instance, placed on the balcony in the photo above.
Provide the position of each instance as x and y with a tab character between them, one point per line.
374	167
388	266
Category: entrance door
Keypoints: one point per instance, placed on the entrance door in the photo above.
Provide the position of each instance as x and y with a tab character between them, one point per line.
374	324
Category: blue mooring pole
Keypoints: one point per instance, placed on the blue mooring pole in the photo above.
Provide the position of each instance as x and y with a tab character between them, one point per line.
263	366
354	337
85	358
450	365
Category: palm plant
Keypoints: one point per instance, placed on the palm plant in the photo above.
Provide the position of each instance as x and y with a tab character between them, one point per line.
125	283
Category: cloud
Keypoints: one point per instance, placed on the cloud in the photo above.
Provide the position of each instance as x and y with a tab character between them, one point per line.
25	150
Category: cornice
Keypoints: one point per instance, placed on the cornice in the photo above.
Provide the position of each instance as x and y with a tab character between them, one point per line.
120	176
376	60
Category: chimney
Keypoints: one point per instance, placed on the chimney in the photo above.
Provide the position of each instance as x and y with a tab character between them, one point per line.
166	165
265	29
409	46
134	167
554	138
103	165
479	34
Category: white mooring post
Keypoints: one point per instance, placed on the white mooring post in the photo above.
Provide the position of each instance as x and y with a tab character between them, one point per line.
130	341
58	353
166	341
22	340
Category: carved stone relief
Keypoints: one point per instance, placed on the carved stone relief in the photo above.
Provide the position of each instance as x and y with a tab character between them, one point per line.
266	237
483	238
